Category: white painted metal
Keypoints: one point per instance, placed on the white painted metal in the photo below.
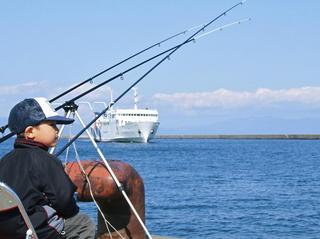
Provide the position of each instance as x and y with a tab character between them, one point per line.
127	125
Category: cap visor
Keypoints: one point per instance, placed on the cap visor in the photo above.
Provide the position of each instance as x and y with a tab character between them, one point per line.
60	120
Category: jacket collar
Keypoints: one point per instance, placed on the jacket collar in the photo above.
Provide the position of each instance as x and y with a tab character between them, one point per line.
27	143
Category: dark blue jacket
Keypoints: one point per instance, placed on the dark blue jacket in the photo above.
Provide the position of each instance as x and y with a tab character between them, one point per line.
39	179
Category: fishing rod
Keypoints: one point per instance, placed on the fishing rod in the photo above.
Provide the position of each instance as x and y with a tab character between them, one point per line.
191	38
2	129
123	61
69	102
90	79
145	61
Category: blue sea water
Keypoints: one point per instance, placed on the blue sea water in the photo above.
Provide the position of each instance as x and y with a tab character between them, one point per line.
223	188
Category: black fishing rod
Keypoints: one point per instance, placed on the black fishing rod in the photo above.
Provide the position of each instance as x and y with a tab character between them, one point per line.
192	39
3	128
117	76
70	102
143	76
121	62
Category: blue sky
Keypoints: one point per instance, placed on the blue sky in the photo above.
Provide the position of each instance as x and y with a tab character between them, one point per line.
261	76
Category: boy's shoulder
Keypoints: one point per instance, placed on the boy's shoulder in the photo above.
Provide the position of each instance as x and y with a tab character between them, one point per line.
43	155
30	156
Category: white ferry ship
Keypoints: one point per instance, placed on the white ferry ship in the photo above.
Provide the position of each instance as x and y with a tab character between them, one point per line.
126	125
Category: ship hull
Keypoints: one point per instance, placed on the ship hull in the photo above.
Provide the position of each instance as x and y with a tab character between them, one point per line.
138	132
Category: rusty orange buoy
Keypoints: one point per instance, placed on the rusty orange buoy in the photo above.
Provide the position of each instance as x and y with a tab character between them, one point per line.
109	197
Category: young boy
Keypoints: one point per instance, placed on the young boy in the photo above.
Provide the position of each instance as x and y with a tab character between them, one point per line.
38	177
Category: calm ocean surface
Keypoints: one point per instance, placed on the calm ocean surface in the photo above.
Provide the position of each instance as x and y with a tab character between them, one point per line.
223	188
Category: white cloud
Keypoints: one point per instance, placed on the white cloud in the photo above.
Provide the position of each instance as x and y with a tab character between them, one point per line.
223	98
12	94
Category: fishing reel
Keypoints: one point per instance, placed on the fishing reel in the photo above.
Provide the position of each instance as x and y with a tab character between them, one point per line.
70	106
3	129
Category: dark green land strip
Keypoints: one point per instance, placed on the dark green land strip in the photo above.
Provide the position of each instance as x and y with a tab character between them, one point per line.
241	136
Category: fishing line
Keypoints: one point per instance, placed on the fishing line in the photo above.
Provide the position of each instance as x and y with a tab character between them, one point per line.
87	179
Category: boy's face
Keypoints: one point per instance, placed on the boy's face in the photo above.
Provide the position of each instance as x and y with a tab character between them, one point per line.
45	133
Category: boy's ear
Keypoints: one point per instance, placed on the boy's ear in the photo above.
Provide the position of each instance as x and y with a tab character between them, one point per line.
29	132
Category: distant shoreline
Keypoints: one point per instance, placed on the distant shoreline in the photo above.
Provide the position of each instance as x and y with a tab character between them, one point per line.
240	136
232	136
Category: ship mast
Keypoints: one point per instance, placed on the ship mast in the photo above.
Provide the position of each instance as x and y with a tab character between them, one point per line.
111	98
135	98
